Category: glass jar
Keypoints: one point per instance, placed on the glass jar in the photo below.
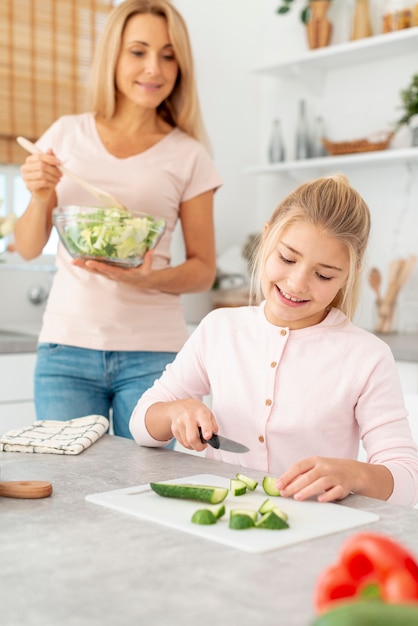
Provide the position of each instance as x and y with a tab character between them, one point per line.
397	15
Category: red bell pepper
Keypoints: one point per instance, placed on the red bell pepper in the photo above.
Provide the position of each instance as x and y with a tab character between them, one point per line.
369	566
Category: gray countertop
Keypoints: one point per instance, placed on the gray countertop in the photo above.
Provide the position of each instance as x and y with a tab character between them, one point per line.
66	561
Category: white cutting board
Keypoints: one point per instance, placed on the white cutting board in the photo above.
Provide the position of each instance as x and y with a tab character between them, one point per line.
307	520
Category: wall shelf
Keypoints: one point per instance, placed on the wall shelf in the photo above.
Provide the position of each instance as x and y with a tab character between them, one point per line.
335	163
375	48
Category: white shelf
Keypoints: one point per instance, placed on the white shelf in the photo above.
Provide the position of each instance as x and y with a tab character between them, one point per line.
375	48
334	163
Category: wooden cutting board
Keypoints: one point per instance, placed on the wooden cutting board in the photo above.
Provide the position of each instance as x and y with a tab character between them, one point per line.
307	520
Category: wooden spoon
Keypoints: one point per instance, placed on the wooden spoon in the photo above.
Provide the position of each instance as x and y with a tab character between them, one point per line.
25	489
105	198
375	281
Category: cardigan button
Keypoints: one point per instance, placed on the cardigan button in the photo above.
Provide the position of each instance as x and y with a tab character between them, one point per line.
268	402
273	364
261	439
283	332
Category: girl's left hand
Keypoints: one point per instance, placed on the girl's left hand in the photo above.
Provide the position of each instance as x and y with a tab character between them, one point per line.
332	479
134	275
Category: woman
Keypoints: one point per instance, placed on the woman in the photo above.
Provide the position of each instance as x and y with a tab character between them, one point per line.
108	332
293	378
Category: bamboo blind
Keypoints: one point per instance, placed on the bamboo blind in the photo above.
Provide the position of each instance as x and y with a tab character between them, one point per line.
46	49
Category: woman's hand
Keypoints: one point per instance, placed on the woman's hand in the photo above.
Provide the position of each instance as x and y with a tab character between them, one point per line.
40	173
136	276
334	479
181	418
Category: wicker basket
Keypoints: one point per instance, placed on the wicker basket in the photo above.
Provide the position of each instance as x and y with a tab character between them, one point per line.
377	141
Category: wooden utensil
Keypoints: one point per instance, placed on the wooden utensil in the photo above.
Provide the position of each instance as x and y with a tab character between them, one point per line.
105	198
28	489
375	281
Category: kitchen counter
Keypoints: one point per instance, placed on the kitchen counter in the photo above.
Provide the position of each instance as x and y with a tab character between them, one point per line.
13	342
66	561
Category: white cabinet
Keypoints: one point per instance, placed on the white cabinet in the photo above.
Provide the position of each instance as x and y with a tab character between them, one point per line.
16	390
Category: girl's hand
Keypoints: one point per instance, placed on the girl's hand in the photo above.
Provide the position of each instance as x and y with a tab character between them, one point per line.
135	276
332	479
187	416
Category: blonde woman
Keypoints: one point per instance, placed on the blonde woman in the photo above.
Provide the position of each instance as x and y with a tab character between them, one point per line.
109	332
292	377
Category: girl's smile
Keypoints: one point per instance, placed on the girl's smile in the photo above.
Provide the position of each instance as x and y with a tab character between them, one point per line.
302	276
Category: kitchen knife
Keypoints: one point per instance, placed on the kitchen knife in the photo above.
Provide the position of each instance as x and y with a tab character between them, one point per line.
223	443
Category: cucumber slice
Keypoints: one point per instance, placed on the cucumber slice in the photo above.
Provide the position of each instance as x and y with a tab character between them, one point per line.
251	484
281	513
268	505
272	521
203	516
203	493
269	486
237	487
218	511
248	512
241	521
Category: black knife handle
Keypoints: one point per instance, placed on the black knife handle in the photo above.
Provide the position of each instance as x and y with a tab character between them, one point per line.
213	441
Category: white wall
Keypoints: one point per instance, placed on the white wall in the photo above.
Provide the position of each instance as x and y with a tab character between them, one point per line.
231	38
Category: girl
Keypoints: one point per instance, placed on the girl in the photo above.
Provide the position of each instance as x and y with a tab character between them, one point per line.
293	378
108	332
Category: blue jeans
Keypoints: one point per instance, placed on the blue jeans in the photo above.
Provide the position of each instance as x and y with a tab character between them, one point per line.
72	382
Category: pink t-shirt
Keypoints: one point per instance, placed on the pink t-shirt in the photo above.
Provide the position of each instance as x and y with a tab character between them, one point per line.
290	394
90	311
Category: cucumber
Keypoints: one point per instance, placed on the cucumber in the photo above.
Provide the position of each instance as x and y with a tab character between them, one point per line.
251	484
281	513
269	486
218	511
210	515
248	512
272	521
203	493
369	613
203	516
237	487
268	505
240	520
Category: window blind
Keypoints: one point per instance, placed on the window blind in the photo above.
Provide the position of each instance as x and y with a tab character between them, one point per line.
46	49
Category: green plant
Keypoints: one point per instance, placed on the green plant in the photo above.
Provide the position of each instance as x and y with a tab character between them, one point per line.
409	97
286	5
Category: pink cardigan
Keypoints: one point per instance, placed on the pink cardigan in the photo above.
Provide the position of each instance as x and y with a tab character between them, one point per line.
292	394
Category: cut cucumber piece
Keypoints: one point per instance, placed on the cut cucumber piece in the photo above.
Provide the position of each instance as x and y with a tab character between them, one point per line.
269	486
218	511
203	516
281	513
248	512
237	487
241	521
268	505
203	493
272	521
251	484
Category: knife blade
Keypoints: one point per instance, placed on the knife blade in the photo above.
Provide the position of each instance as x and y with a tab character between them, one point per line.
223	443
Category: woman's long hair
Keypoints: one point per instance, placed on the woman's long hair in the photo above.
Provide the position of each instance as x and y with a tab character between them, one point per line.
181	108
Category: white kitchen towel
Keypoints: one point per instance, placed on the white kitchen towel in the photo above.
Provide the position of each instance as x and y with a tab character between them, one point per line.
55	437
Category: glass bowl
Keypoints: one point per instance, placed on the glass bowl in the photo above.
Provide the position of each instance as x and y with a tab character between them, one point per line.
110	235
